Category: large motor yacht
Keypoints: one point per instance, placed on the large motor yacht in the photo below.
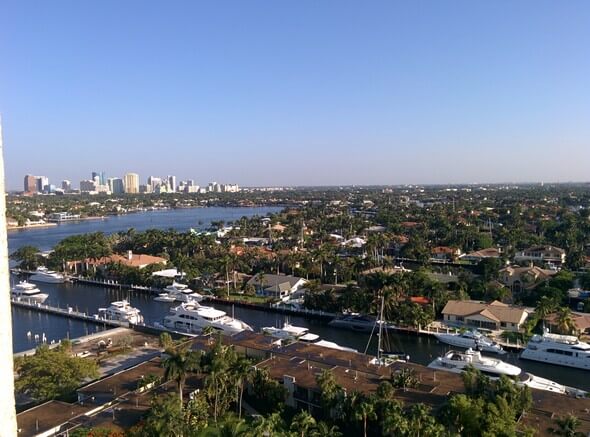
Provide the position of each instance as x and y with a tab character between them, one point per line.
297	333
181	293
563	350
470	340
193	318
26	291
457	362
47	276
121	311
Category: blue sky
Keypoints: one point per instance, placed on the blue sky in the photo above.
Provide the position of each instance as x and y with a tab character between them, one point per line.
297	92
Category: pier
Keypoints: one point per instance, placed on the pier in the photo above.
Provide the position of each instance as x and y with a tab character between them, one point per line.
69	312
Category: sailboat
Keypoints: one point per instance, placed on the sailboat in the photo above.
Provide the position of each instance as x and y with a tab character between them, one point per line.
385	355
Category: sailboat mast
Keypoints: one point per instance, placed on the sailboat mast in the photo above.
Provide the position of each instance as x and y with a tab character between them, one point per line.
380	329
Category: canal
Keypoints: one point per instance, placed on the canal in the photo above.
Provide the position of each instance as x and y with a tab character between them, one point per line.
89	298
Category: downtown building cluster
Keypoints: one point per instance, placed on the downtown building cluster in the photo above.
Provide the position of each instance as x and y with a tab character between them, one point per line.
129	183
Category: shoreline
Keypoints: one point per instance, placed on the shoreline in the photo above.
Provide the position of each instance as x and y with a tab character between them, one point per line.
35	226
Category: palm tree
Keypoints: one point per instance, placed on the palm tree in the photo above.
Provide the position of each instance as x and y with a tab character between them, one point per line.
365	411
179	362
322	429
567	426
302	423
267	426
565	321
545	306
241	370
232	427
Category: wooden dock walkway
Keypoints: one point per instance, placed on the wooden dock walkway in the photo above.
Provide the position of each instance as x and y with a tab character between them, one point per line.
68	312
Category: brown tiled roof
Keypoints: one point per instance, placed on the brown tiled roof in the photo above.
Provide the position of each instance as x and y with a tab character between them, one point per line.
137	260
495	310
490	252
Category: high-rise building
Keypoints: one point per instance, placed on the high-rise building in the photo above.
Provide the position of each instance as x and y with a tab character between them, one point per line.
30	184
116	185
88	186
101	177
131	182
42	182
171	184
154	183
66	185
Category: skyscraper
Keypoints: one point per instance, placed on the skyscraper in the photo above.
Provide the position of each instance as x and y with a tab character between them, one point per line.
154	183
171	184
42	182
116	185
30	184
66	185
131	181
102	177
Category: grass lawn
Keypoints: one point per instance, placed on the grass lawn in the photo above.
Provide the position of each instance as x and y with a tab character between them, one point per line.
250	299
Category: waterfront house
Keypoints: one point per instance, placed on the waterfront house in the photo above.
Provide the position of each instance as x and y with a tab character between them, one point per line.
581	322
524	278
445	253
277	286
135	260
479	255
543	255
494	315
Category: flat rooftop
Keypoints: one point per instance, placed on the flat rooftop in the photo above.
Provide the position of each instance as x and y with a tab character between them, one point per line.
124	381
47	416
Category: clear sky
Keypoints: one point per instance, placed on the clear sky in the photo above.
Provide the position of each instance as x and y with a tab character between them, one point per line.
301	92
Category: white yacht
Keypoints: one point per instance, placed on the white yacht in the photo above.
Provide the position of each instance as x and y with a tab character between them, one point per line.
164	297
121	311
297	333
563	350
470	340
26	291
456	362
47	276
193	318
181	293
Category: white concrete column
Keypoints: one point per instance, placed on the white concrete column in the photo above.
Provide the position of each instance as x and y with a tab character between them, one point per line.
7	410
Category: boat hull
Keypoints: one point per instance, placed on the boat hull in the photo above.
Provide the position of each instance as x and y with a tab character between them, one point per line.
47	279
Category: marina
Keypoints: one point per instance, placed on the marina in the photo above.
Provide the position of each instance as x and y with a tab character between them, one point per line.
86	298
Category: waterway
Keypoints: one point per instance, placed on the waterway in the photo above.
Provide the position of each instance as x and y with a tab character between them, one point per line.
89	298
54	327
178	219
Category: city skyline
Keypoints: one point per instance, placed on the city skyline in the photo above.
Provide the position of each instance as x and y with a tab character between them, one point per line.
275	95
130	183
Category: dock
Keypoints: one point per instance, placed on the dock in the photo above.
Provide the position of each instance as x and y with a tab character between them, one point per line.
69	312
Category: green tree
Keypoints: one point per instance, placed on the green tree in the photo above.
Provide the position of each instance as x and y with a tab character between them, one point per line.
28	257
303	423
179	362
165	418
365	411
242	372
567	426
565	321
196	413
52	373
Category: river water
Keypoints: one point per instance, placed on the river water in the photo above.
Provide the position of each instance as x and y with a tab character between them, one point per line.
89	298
